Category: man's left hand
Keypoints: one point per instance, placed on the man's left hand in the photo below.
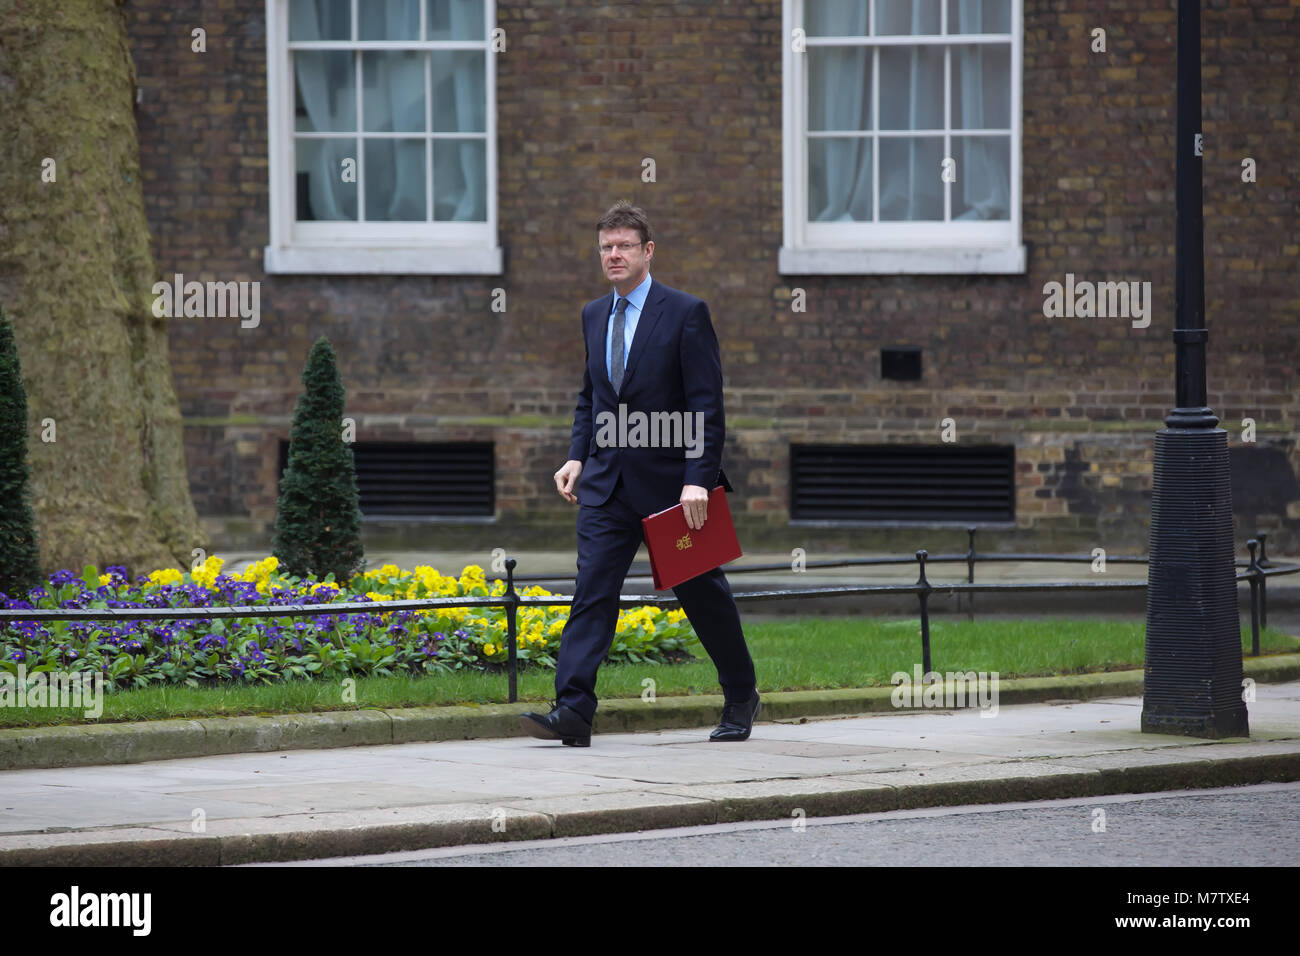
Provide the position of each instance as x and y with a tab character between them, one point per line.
695	505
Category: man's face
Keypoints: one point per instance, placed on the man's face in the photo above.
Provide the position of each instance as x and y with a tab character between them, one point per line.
623	258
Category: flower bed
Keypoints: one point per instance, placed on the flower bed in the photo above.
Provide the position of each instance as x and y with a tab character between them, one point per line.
198	652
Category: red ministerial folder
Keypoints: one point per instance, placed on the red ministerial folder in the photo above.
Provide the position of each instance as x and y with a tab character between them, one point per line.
678	554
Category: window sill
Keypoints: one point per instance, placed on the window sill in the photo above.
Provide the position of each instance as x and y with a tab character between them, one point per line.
427	259
991	261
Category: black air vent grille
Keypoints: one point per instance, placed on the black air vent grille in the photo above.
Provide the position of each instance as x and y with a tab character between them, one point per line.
902	483
410	479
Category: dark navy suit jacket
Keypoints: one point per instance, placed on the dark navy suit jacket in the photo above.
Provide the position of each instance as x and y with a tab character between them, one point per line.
673	365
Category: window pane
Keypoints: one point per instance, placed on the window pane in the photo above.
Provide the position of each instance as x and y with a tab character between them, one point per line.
907	17
388	19
983	186
839	179
456	20
459	93
392	91
839	88
395	180
322	193
325	98
981	86
835	18
911	87
979	16
320	20
460	180
910	187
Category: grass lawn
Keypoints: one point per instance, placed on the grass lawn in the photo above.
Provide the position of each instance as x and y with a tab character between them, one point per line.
794	654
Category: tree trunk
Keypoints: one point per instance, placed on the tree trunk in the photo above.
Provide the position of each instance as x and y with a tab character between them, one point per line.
76	277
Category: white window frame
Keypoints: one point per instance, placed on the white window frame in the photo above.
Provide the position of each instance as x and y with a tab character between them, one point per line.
368	248
889	248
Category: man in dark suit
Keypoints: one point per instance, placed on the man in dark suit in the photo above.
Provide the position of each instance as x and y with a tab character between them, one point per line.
650	349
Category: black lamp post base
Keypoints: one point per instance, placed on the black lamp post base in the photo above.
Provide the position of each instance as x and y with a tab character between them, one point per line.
1216	726
1193	677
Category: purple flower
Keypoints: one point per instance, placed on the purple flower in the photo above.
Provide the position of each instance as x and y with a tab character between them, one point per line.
59	578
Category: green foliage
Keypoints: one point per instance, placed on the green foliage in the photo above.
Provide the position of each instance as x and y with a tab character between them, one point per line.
318	520
271	651
20	563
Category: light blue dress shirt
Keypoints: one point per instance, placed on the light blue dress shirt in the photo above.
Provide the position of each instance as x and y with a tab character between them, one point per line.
635	300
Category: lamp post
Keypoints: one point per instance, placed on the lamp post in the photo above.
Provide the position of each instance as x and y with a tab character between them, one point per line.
1193	671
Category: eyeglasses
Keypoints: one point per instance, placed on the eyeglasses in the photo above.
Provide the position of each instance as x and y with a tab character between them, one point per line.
623	247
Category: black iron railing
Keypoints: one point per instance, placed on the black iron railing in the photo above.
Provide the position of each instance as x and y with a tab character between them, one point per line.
1256	573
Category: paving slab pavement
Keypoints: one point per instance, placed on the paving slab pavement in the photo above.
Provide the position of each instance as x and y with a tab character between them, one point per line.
303	804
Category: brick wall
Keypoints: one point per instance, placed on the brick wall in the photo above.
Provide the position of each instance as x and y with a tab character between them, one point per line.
584	92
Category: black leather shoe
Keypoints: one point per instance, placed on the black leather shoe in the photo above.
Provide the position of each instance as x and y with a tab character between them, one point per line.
738	720
562	723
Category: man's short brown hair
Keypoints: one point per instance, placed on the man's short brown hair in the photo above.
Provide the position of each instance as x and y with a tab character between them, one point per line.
624	215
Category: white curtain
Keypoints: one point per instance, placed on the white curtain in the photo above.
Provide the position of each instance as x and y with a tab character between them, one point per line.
459	102
839	81
911	97
393	100
983	179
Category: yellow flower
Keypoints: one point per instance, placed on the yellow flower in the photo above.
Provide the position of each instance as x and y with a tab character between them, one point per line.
106	579
165	576
489	649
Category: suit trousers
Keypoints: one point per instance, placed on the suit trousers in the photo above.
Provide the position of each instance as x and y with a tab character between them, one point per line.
608	538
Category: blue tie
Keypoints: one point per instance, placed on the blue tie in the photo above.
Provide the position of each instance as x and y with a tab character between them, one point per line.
616	346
